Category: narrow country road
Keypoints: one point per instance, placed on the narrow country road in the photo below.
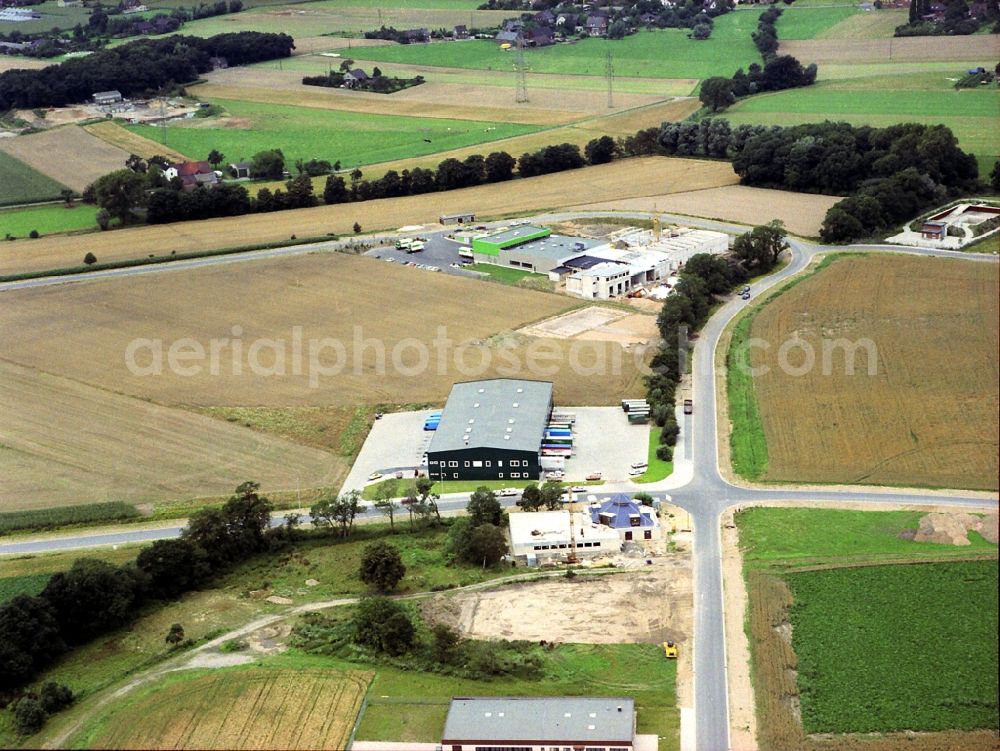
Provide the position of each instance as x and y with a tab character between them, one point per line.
697	484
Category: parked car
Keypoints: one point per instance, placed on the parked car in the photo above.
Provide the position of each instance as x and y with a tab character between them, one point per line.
688	406
507	492
634	472
374	476
578	489
640	465
745	296
594	476
555	475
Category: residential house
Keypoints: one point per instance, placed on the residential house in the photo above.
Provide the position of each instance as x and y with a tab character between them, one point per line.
649	19
192	174
508	37
541	36
461	32
356	78
597	26
544	18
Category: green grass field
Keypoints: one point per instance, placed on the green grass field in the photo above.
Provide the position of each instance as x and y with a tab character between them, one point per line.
667	53
504	274
635	670
657	469
809	22
307	133
792	537
894	648
52	17
29	584
48	219
19	183
922	97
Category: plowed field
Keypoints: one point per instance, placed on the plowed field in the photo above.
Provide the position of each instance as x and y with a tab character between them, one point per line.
240	709
68	155
928	414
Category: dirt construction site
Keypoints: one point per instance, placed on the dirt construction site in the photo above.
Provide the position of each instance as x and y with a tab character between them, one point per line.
638	603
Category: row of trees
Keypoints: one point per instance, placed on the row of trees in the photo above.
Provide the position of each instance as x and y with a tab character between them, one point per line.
704	276
141	67
94	597
779	72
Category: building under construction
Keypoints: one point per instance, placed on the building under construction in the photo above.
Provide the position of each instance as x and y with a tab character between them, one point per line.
543	537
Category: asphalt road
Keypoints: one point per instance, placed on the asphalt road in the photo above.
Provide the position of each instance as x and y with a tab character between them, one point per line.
700	488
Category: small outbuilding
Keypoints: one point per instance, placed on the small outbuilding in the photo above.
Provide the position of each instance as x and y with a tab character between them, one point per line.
107	98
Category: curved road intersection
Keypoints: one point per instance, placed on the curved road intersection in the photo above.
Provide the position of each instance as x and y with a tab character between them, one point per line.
697	485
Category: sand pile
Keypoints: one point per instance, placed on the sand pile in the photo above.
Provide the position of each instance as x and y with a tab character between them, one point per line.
953	529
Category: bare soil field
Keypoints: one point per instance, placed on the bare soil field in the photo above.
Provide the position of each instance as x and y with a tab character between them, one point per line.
928	415
68	155
242	709
382	315
906	49
64	443
879	25
618	180
802	213
117	136
597	323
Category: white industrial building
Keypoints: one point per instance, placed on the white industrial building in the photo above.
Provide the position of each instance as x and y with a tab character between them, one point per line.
538	537
605	272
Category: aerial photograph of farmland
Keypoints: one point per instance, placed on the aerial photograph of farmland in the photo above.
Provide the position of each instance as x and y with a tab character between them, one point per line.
500	375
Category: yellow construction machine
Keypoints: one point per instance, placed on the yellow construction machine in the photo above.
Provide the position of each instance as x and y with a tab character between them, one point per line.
670	650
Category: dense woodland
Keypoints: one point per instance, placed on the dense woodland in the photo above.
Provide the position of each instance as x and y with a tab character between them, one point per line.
951	18
137	68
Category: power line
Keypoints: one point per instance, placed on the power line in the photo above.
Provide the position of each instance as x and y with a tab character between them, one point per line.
521	94
609	71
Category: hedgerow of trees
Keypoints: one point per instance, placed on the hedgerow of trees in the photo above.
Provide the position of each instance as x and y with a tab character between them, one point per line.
94	597
137	68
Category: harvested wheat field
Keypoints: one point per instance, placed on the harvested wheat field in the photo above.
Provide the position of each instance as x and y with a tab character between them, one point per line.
382	315
20	63
928	414
64	443
618	180
802	213
114	134
68	155
238	709
905	49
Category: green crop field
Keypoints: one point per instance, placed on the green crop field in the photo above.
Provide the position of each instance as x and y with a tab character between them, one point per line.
667	53
47	219
791	537
809	22
19	183
926	97
306	133
893	648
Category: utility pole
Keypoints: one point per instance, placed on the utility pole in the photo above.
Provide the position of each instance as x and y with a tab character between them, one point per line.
521	94
609	71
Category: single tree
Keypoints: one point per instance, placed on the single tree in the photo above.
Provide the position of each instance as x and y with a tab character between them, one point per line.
383	625
67	196
484	508
601	150
382	566
335	190
337	511
357	228
175	635
55	697
995	173
429	499
215	158
487	544
717	93
385	494
531	498
552	494
445	639
269	164
345	64
119	193
29	715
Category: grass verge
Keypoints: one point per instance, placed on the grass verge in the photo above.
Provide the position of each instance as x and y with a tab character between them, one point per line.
657	469
66	516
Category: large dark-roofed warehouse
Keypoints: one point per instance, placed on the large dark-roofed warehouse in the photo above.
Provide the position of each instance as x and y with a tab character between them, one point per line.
491	430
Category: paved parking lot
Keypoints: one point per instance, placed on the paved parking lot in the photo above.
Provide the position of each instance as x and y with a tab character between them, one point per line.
397	441
604	442
438	252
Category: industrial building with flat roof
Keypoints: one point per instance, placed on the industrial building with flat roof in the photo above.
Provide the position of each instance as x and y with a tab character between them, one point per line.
550	536
491	430
540	724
